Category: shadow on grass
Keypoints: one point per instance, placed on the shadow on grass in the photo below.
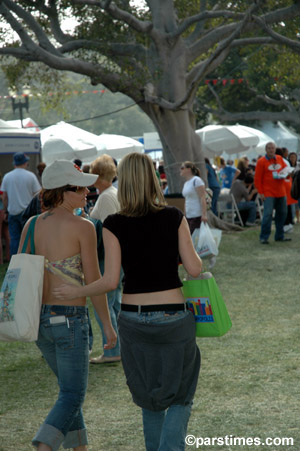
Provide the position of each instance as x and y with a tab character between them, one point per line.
249	380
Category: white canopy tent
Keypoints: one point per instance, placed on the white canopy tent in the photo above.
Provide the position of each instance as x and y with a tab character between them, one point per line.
27	123
281	135
12	140
260	148
230	140
60	139
117	146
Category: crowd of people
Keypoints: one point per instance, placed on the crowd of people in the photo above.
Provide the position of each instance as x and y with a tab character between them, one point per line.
96	220
264	183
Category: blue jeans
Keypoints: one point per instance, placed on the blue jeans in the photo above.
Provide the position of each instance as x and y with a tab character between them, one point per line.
166	430
64	341
15	227
280	206
250	206
216	191
163	430
114	305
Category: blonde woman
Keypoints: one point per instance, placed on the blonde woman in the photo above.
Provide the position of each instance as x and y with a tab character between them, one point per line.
157	333
107	202
68	243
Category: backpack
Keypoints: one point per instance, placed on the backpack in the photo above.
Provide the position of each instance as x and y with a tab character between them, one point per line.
295	190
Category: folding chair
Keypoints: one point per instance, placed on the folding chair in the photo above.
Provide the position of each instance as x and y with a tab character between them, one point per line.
227	208
259	206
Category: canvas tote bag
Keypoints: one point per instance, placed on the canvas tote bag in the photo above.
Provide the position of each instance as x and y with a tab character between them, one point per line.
205	301
21	294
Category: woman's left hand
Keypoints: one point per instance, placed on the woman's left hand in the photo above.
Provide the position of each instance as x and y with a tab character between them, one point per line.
66	292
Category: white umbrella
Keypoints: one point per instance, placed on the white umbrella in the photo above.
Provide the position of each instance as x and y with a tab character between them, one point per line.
67	132
263	140
68	149
231	139
117	146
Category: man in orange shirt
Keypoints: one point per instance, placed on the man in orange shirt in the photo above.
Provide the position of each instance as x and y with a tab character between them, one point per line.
269	181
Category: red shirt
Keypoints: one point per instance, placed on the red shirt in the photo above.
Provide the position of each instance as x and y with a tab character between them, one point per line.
264	179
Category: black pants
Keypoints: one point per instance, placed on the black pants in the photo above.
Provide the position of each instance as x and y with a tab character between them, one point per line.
194	223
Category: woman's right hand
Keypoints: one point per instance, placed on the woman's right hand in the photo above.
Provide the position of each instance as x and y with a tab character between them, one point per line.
204	217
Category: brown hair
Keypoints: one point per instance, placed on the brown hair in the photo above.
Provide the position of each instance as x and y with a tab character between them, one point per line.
192	167
51	198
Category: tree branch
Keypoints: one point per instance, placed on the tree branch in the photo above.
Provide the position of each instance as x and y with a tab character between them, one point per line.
117	13
226	116
205	66
30	21
201	17
216	35
51	12
222	50
58	34
293	44
252	41
282	102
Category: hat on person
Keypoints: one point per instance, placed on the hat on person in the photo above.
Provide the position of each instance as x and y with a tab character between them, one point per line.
20	158
63	172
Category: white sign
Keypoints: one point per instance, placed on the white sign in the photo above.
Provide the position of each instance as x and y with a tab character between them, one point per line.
27	144
152	142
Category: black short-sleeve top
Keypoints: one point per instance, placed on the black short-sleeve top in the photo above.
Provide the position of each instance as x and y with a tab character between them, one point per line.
149	249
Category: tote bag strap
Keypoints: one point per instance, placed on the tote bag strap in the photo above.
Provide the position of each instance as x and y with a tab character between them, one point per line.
30	233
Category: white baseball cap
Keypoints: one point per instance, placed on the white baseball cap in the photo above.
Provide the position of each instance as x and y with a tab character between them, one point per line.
63	172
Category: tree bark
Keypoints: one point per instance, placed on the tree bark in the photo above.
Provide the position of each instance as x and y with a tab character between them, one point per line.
180	143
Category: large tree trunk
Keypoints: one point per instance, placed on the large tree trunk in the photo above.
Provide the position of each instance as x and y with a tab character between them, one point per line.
180	143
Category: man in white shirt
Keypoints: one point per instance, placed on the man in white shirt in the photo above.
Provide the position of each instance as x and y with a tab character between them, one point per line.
19	186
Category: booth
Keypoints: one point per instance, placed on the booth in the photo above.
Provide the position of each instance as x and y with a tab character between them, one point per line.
14	139
281	135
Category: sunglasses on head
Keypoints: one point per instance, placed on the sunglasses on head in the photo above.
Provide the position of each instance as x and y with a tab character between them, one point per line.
76	189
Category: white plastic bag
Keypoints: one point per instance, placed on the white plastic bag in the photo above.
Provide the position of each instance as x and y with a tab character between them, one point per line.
206	245
217	234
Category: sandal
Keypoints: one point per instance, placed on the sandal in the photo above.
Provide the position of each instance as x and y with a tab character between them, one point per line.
103	359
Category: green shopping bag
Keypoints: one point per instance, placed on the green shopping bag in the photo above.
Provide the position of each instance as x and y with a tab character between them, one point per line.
205	301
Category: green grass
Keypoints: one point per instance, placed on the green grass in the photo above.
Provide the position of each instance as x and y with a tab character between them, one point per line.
249	380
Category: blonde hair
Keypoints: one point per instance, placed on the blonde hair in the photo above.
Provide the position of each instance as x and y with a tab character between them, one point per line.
105	167
139	191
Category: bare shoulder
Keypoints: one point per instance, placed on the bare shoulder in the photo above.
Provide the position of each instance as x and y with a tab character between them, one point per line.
86	229
84	223
27	224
